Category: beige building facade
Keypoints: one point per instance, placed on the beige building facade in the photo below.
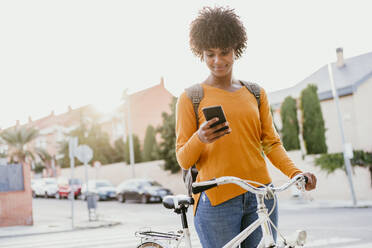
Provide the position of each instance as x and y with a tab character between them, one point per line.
353	80
356	111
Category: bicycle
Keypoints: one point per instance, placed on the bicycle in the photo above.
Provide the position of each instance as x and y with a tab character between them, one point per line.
180	204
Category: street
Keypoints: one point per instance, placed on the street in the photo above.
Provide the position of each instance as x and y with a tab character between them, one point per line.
326	227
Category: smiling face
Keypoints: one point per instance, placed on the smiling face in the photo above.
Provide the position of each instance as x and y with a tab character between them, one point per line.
219	61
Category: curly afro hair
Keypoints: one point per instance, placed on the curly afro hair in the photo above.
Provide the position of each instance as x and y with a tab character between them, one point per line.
217	27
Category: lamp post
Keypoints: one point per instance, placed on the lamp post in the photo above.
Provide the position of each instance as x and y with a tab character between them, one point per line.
126	99
346	158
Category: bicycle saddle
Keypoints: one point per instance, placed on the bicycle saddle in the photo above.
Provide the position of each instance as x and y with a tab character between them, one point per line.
177	201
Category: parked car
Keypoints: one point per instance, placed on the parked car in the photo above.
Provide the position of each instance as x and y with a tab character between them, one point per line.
104	189
33	181
143	190
46	187
66	185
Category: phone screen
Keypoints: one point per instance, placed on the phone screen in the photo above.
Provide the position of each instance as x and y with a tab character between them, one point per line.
215	111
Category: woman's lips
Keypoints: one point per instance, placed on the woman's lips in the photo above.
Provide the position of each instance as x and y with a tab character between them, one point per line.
220	68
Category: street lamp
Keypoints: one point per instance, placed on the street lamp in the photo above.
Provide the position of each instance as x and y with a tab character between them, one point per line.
346	156
126	99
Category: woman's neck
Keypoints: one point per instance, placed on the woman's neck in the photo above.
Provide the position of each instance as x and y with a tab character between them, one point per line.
220	82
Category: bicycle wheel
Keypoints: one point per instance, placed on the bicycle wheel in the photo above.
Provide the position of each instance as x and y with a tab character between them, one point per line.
150	245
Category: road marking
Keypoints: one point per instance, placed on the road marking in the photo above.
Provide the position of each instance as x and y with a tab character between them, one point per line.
108	238
330	241
369	245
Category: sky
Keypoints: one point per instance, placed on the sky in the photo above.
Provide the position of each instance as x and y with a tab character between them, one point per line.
55	54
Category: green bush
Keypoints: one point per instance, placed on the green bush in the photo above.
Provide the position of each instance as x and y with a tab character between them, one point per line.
119	147
334	161
290	130
313	123
39	167
330	162
149	145
167	146
136	150
96	139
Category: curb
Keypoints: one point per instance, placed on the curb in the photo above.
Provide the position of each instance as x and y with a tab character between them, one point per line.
321	205
77	228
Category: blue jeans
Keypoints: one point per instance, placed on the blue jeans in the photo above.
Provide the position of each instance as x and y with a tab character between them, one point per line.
217	225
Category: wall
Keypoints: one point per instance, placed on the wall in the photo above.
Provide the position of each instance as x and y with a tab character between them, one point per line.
118	172
334	186
363	115
330	187
330	116
16	206
147	107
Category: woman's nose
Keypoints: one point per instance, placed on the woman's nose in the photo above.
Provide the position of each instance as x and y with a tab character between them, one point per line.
217	59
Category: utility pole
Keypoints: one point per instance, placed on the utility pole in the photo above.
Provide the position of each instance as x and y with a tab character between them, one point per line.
72	145
346	158
126	99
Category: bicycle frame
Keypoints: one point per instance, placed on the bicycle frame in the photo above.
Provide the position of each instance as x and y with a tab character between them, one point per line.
262	222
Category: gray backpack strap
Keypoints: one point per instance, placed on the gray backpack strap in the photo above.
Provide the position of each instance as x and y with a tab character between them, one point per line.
196	94
255	89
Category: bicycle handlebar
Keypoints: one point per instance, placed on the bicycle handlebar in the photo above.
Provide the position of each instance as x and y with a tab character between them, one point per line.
204	185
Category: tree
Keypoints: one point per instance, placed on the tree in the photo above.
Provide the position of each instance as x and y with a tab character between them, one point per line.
149	146
96	139
99	141
290	130
17	140
119	147
168	134
136	150
313	123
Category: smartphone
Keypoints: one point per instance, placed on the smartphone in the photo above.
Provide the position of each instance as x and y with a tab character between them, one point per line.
215	111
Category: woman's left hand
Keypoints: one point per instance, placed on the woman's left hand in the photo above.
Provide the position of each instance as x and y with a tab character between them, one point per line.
311	181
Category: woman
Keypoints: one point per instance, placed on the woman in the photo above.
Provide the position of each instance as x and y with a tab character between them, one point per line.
218	37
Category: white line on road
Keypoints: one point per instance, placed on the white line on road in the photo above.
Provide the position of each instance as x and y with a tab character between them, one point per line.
330	241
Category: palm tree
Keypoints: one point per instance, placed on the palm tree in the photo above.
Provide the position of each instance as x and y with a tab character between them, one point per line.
17	140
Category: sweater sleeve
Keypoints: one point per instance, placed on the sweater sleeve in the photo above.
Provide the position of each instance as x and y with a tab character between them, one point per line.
271	144
188	145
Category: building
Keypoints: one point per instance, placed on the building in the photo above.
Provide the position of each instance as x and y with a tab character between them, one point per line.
353	80
53	130
146	108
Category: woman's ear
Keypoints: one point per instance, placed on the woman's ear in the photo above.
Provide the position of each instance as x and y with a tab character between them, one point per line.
202	56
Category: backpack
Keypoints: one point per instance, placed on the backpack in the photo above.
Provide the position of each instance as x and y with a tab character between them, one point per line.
196	94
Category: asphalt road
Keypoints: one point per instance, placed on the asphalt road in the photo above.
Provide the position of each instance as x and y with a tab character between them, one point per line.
326	227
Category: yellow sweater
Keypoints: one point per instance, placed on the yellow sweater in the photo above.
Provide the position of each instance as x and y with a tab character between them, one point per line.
237	154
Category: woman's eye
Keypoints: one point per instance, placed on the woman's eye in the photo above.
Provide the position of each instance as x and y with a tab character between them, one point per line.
210	55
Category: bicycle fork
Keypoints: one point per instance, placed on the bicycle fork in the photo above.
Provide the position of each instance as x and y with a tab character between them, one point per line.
263	215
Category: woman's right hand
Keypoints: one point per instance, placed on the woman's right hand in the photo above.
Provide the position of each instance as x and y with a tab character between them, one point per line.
208	134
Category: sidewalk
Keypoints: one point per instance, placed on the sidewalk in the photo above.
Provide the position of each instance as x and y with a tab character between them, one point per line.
43	227
303	203
53	216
